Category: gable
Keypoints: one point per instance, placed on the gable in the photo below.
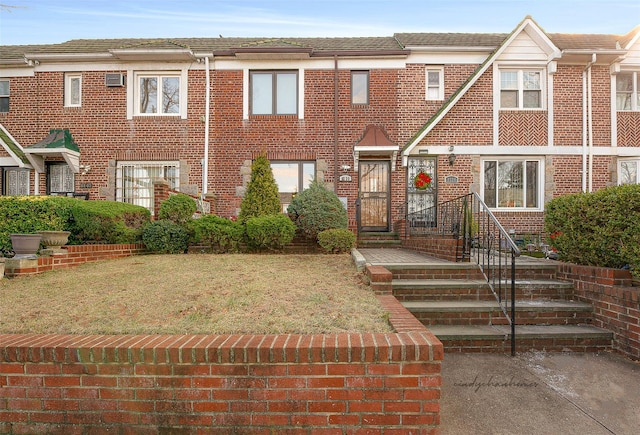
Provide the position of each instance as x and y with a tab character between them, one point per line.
523	48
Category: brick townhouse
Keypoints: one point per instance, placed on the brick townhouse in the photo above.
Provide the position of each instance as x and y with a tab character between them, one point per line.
519	118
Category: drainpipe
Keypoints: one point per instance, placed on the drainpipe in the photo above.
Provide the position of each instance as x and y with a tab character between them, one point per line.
205	160
335	123
590	120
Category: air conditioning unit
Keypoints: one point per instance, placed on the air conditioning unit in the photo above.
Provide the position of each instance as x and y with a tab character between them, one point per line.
114	80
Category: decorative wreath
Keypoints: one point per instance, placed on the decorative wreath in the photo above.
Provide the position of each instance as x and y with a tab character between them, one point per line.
422	181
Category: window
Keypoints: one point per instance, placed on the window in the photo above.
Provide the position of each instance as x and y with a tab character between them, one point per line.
73	90
16	181
158	94
520	89
274	92
60	179
134	180
4	96
291	178
512	183
434	84
628	91
359	87
629	172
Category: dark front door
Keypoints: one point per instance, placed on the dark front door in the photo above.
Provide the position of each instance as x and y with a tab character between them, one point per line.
374	195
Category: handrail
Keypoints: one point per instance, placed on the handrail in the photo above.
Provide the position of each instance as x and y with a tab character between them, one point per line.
468	218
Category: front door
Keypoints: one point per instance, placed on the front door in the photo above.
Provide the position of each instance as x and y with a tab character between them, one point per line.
374	195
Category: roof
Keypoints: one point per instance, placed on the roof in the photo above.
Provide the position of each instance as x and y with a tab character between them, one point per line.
56	139
11	146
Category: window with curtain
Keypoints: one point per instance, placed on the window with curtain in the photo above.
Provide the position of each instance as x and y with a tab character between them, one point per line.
134	180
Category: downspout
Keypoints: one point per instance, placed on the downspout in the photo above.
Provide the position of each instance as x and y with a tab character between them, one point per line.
335	123
587	127
205	160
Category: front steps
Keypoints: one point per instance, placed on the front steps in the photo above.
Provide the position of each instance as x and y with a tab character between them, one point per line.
454	301
379	240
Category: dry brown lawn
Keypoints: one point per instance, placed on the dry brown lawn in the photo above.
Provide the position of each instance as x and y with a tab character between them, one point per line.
194	294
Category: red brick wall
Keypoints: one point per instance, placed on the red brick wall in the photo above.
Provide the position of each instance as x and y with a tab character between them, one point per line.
298	384
616	304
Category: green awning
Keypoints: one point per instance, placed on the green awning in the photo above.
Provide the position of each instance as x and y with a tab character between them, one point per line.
58	143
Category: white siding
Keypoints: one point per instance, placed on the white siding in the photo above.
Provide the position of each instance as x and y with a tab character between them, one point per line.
523	48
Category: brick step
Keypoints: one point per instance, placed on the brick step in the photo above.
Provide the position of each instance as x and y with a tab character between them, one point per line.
380	243
476	289
528	312
497	338
442	271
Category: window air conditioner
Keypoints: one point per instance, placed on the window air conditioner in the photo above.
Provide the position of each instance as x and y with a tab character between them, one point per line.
114	79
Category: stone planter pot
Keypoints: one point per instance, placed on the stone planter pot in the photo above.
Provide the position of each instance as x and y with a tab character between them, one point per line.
1	267
25	245
54	239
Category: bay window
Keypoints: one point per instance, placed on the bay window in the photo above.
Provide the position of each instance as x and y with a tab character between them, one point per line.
512	184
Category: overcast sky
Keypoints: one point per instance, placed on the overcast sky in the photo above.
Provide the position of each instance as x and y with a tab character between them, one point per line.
53	21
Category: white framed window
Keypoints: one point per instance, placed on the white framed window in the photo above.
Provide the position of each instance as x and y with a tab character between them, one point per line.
292	177
274	92
512	183
629	171
134	180
16	181
73	90
434	80
521	89
158	94
628	91
4	96
360	87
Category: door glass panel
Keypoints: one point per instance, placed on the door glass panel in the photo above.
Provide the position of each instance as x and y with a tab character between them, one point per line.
374	196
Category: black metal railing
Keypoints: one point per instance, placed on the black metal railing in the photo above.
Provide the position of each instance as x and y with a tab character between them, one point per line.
484	240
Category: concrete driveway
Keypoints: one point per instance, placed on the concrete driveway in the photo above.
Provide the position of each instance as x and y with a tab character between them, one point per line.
540	393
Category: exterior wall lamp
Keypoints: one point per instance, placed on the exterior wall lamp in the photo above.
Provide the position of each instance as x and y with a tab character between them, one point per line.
452	156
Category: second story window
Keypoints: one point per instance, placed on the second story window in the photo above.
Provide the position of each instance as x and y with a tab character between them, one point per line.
4	96
628	91
158	94
274	92
434	84
359	87
520	89
73	90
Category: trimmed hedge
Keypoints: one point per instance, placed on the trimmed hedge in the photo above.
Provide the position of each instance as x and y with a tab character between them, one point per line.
177	208
597	229
271	232
317	209
165	237
337	240
219	234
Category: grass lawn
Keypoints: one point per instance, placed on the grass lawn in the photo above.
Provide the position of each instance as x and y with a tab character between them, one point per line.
194	294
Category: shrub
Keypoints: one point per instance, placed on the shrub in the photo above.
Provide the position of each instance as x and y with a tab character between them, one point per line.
317	209
597	229
106	222
177	208
29	214
336	240
262	197
220	234
165	237
270	232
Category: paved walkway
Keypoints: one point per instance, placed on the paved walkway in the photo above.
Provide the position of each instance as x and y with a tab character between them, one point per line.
534	392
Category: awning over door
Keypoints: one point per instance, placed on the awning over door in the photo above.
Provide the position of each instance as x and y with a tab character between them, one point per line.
375	142
58	143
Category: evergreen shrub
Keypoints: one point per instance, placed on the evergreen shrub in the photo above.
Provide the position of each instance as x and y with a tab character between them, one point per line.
317	209
262	197
219	234
336	240
165	237
271	232
177	208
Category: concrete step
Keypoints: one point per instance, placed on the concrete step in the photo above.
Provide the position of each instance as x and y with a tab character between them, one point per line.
497	338
476	289
528	312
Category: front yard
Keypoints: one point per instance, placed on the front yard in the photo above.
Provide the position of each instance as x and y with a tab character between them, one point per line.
194	294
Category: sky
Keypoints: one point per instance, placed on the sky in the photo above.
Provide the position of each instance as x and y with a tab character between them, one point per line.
55	21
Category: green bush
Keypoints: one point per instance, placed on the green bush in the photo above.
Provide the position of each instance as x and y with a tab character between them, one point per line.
270	232
597	229
219	234
165	237
106	222
29	214
317	209
177	208
262	197
337	240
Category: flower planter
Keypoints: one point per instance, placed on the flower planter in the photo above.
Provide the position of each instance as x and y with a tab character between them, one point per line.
25	245
54	239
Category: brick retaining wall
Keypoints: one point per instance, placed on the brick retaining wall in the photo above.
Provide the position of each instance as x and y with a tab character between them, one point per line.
441	247
616	304
224	384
